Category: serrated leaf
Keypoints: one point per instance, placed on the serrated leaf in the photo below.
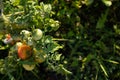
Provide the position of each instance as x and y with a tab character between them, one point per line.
56	48
53	47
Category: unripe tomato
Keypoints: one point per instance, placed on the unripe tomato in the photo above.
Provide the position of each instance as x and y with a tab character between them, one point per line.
28	67
25	33
37	34
24	52
39	56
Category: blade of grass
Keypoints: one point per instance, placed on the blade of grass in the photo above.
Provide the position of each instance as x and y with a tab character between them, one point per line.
103	68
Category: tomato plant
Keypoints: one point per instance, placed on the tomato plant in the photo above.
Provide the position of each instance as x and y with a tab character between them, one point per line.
59	39
27	25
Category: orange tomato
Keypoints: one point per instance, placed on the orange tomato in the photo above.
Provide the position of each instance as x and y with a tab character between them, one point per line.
24	52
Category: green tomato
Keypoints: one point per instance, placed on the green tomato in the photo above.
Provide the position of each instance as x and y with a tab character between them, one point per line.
25	33
37	34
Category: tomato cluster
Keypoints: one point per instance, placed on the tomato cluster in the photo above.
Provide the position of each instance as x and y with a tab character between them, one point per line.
25	48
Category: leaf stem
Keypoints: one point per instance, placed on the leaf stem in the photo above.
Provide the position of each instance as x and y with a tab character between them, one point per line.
57	39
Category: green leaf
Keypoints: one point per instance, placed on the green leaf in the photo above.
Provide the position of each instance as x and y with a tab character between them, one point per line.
89	2
63	70
107	2
15	2
53	24
47	8
58	56
56	47
117	30
48	39
23	2
117	47
102	20
52	47
88	58
102	46
4	47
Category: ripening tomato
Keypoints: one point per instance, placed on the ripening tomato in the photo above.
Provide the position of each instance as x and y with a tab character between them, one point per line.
24	51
